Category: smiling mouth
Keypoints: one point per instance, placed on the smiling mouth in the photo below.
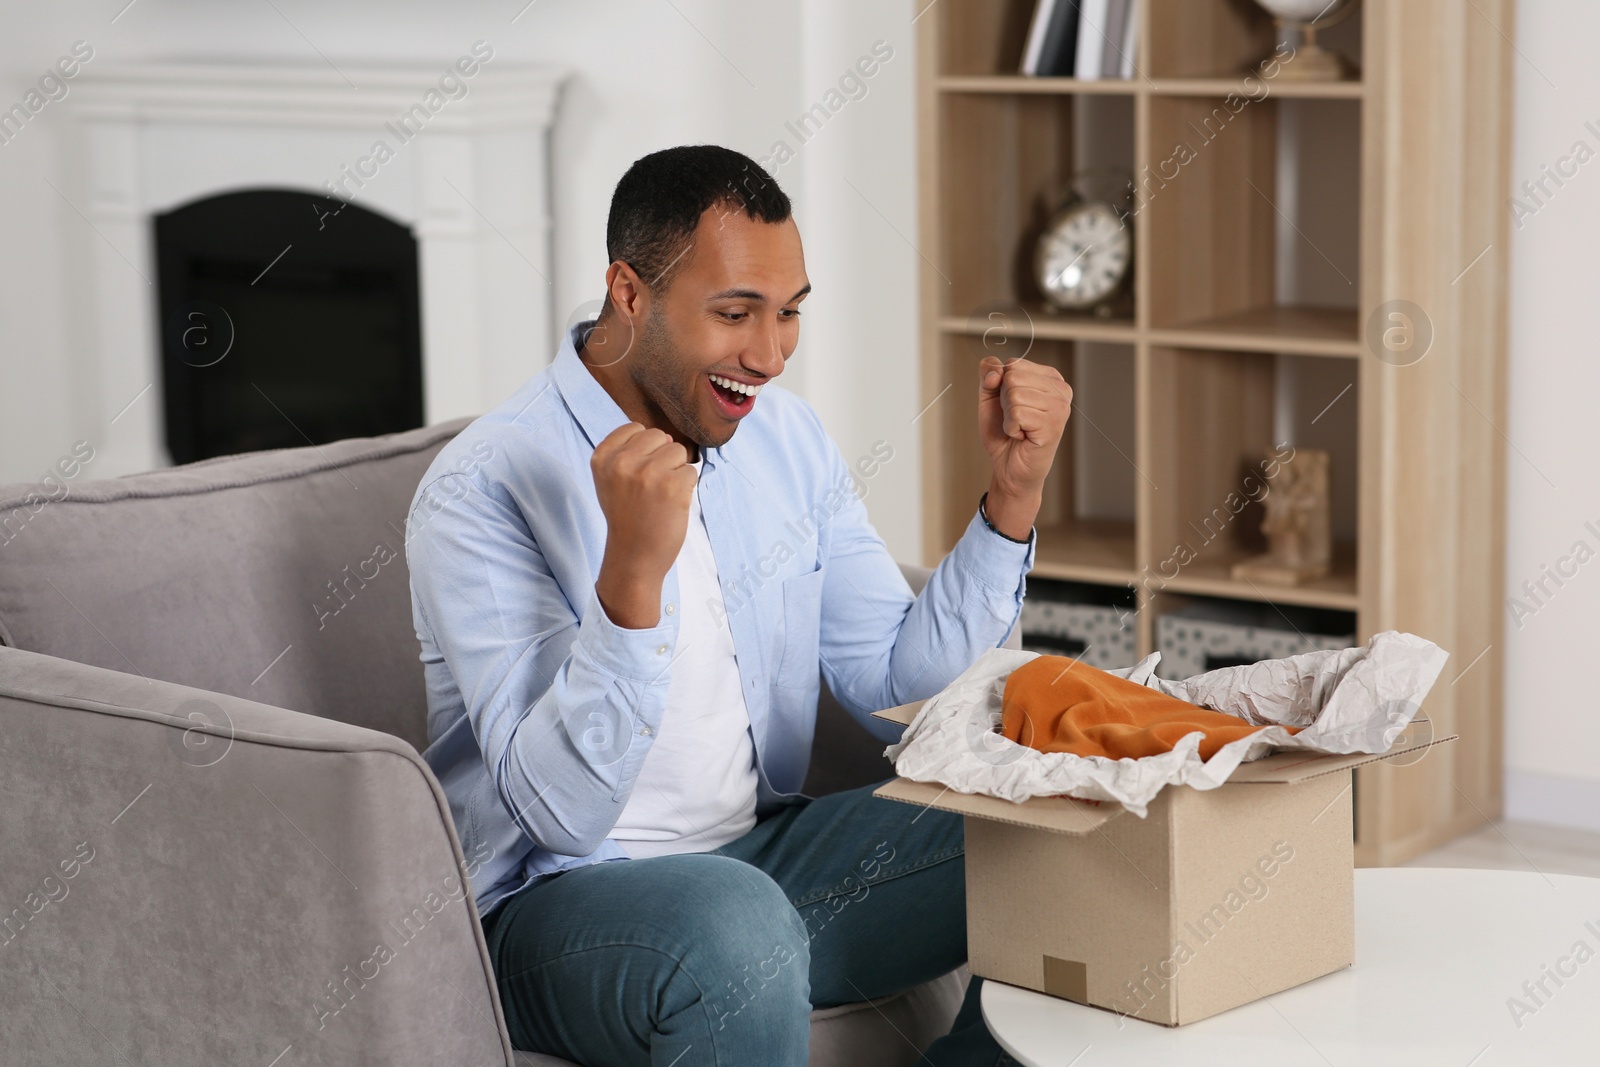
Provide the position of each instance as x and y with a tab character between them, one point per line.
733	398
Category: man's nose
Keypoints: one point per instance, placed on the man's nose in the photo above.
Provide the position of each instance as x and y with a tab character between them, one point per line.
765	356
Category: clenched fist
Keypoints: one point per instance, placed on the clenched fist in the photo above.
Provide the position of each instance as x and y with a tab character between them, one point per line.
1023	409
645	483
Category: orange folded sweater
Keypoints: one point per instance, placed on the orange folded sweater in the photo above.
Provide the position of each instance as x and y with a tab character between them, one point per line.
1057	704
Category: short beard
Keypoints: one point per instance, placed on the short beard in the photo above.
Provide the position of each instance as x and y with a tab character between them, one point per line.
658	373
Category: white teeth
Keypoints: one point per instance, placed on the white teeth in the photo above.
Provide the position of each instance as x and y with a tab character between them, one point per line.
737	387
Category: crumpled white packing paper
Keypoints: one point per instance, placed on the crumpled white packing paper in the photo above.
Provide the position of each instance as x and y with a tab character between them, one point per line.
1347	700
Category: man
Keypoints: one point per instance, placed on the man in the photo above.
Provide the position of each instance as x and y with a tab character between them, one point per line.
627	580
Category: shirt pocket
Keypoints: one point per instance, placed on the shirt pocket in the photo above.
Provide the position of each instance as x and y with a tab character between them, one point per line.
798	663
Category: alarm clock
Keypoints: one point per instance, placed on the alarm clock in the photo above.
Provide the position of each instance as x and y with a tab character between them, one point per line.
1084	257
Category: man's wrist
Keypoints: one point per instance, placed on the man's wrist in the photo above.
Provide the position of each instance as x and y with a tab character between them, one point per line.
1009	515
631	602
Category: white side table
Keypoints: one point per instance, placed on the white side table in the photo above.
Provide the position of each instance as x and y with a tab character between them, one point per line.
1440	955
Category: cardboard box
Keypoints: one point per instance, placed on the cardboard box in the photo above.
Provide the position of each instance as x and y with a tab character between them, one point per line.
1215	899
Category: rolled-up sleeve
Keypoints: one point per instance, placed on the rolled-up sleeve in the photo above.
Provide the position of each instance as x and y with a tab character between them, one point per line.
564	705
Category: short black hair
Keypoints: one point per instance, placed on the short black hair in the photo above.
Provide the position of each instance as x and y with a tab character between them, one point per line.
658	203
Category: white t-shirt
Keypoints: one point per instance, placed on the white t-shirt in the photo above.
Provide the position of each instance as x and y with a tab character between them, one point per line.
697	788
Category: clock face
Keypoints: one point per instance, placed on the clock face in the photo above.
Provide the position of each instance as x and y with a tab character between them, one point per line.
1084	255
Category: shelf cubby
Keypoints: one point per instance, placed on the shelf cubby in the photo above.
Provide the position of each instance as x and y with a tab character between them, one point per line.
1086	523
1205	202
1223	39
1027	156
1215	418
1252	216
1086	526
1025	143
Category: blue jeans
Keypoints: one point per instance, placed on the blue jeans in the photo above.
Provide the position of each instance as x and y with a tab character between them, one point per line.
718	957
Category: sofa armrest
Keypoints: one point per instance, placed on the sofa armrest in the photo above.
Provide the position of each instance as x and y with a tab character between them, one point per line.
843	755
194	878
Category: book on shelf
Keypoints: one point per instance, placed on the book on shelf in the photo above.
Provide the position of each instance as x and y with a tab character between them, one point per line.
1130	42
1083	39
1112	34
1052	39
1091	38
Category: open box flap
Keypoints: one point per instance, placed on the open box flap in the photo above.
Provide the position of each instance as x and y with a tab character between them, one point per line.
903	714
1065	815
1298	766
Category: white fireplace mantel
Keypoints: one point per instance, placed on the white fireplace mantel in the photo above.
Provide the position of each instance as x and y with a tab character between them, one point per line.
473	185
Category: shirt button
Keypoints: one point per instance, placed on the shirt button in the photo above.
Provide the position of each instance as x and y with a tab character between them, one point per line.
647	731
661	650
672	609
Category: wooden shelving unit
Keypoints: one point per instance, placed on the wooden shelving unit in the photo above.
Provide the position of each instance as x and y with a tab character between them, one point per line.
1260	260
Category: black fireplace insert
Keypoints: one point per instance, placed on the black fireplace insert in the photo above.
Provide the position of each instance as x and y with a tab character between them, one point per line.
287	319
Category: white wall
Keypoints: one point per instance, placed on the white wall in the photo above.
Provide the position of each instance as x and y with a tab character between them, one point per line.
1553	466
646	76
859	354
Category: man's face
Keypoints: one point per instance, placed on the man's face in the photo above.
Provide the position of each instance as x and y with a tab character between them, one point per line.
727	322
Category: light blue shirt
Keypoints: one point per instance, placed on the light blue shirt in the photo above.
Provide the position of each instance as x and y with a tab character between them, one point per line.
541	710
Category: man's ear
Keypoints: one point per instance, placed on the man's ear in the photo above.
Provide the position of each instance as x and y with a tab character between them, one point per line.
627	302
629	297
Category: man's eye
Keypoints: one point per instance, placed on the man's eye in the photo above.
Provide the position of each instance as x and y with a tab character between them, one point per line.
733	316
793	313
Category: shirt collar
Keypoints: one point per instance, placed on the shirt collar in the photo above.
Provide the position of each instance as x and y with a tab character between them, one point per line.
597	413
585	397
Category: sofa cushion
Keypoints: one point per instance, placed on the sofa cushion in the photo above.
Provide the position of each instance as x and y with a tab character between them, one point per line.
278	576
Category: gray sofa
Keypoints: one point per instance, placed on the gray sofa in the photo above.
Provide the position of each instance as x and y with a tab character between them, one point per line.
195	874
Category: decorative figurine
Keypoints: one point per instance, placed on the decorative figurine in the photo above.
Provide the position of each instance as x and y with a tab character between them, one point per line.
1298	525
